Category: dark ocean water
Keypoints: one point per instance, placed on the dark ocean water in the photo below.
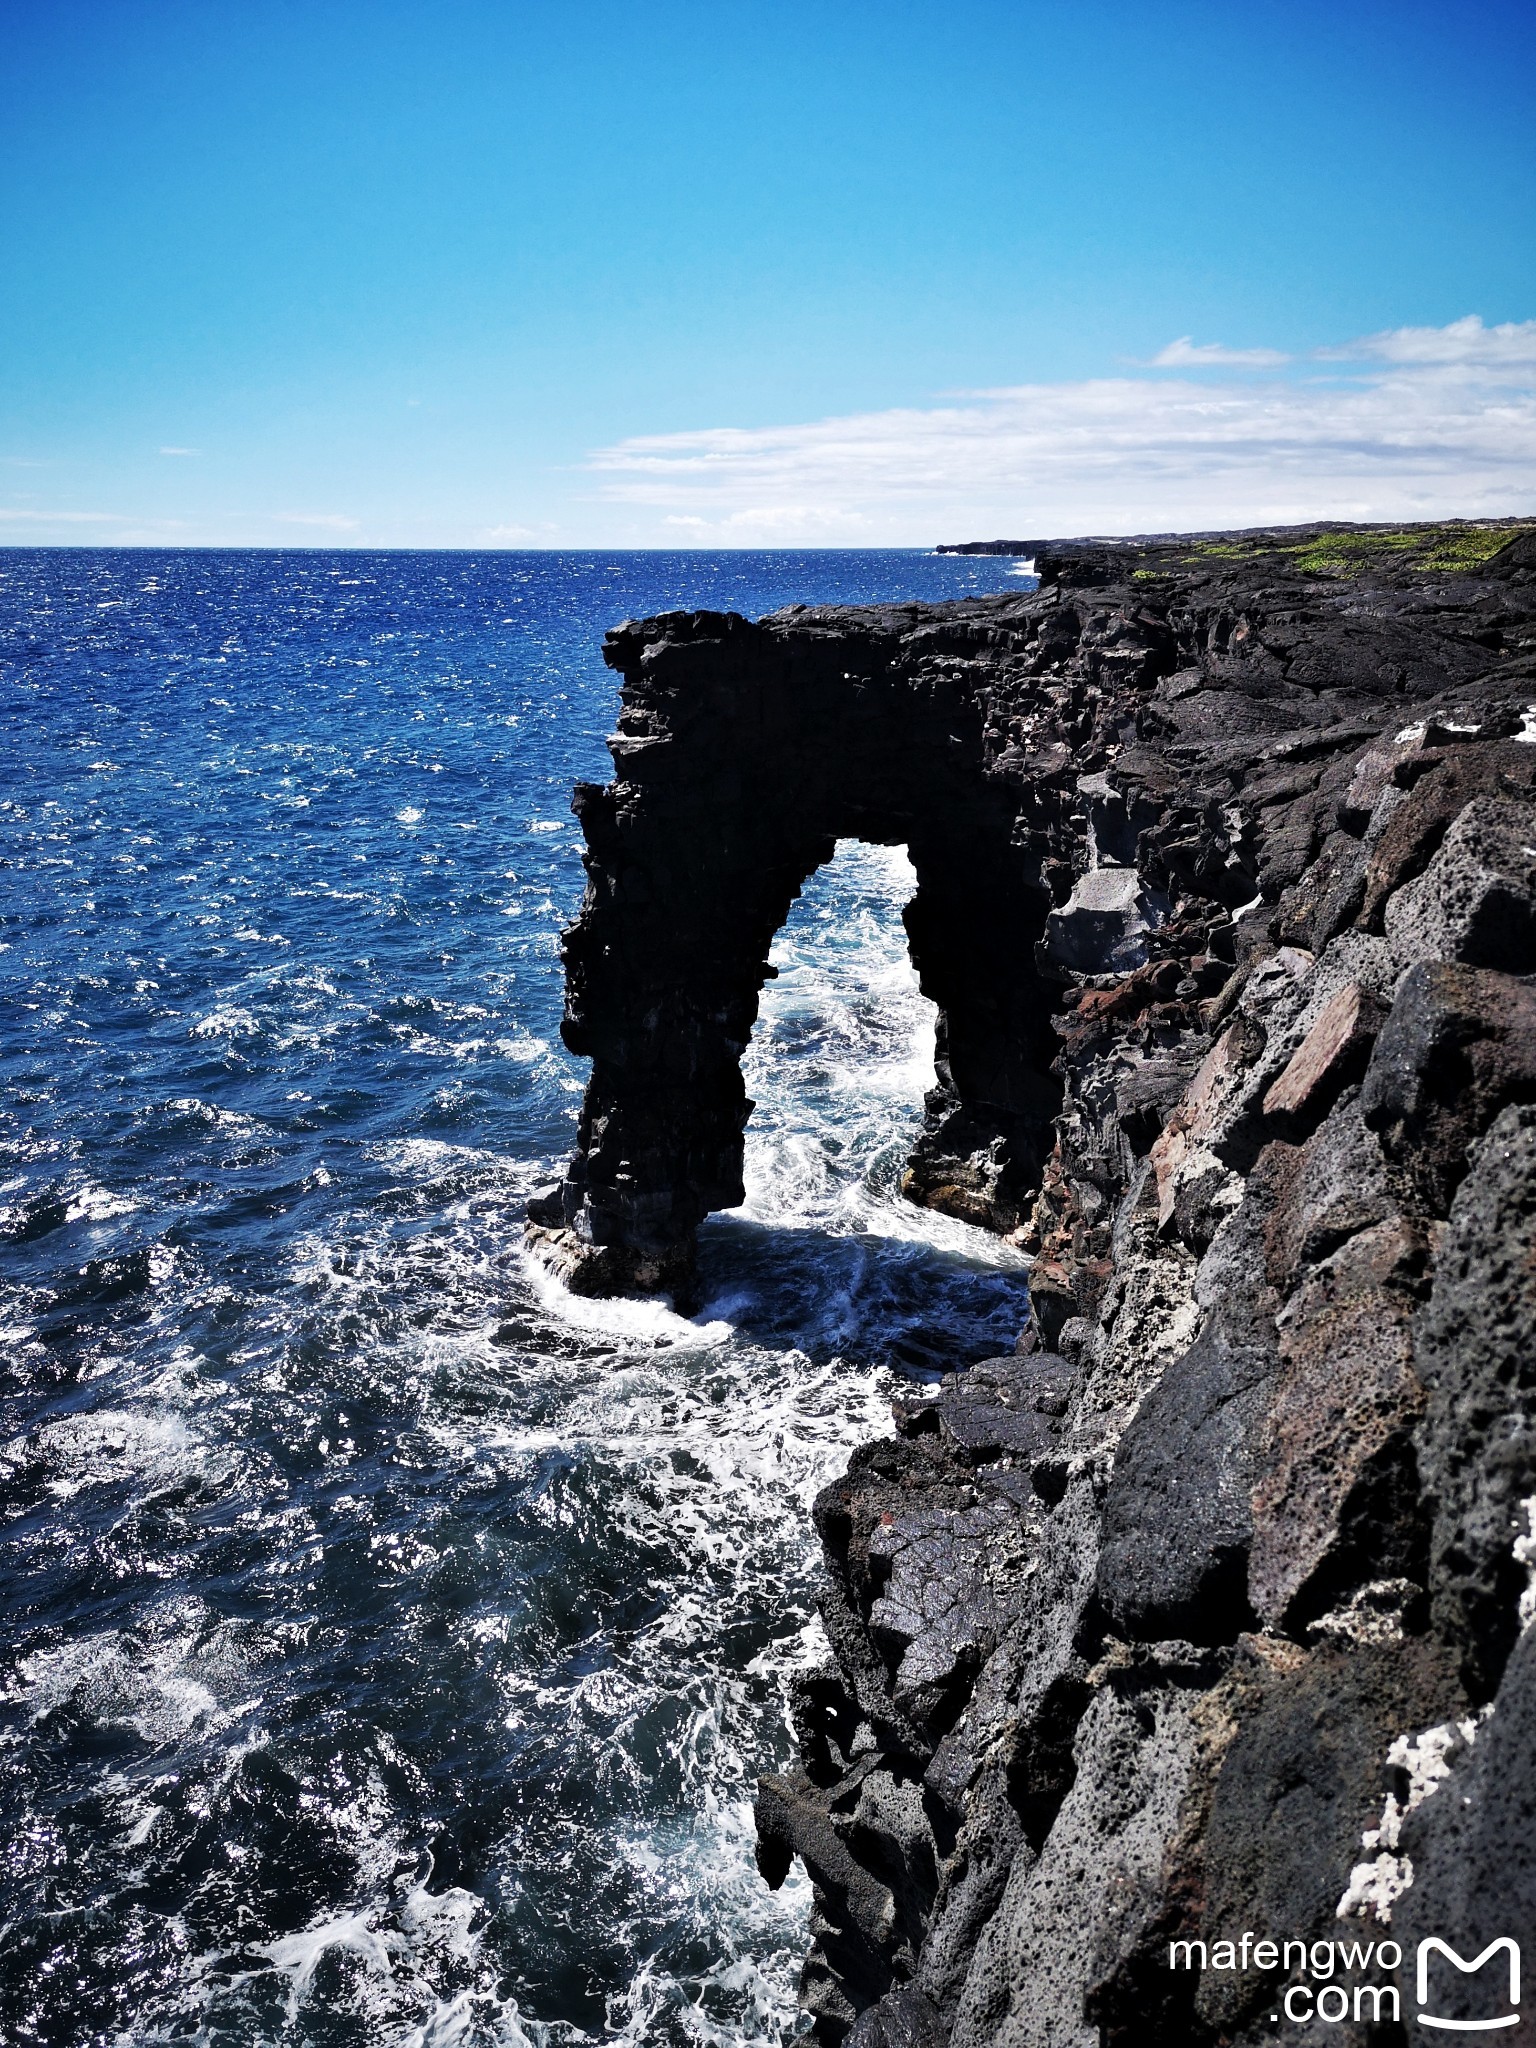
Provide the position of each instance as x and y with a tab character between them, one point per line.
393	1641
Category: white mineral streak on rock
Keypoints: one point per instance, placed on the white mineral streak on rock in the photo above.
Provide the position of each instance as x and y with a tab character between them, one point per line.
1525	1553
1375	1886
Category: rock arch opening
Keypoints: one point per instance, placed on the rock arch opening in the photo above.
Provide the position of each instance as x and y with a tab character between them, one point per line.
841	1056
744	754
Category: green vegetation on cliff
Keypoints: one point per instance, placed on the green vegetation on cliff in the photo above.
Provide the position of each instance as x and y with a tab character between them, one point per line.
1454	546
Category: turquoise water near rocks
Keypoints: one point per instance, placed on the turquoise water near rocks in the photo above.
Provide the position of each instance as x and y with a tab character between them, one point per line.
392	1640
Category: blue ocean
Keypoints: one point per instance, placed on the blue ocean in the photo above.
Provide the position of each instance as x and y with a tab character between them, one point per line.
392	1640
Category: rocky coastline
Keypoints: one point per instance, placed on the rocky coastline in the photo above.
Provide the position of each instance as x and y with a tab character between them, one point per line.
1205	1613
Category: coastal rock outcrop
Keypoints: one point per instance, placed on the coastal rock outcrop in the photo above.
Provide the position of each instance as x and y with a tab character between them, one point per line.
1207	1613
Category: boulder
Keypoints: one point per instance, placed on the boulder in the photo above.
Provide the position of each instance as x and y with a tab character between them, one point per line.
1476	901
1477	1442
1459	1044
1103	926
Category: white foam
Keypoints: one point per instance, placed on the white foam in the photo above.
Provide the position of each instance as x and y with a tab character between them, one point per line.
226	1023
645	1322
188	1677
299	1955
844	1023
110	1444
97	1205
678	1457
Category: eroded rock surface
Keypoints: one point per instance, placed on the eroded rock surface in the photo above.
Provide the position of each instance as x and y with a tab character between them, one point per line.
1208	1612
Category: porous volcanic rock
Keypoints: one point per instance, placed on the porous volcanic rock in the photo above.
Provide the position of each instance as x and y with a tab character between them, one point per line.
1208	1612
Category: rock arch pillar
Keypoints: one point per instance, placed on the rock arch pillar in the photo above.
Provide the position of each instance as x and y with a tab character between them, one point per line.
743	754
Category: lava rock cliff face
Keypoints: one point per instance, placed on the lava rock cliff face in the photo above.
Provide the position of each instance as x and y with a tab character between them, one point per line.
1206	1613
743	754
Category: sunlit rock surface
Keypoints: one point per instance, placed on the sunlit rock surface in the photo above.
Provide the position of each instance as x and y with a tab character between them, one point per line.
1226	859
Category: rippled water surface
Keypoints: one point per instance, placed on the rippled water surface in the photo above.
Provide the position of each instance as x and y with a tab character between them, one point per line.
393	1641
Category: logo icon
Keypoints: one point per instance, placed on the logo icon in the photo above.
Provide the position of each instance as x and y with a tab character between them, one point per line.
1437	1947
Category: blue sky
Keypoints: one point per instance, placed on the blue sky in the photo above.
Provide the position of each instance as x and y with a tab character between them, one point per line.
355	272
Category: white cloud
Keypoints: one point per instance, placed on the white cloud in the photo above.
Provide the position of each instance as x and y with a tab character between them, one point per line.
1187	354
1510	345
181	451
1410	434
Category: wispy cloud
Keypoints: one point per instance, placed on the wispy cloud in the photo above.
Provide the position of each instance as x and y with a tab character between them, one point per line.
52	526
43	525
1420	423
33	515
181	451
1188	354
1511	345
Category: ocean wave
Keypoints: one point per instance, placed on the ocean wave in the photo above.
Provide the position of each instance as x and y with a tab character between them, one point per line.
396	1636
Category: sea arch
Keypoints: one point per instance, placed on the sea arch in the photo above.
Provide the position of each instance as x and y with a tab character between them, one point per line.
744	753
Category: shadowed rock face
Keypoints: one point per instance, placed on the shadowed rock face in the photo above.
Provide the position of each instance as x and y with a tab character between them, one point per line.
743	754
1209	1611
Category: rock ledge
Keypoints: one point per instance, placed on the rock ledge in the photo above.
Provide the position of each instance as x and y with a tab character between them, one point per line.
1206	1613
